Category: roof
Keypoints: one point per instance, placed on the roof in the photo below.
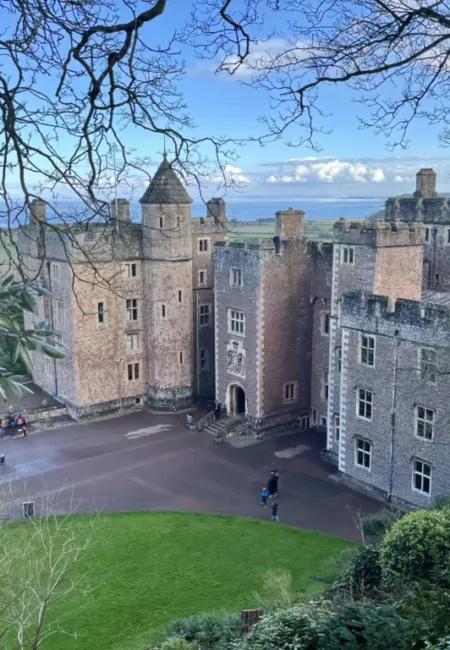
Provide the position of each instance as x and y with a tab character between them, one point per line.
436	297
165	187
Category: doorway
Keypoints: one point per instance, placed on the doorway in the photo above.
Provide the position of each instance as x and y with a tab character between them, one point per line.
237	400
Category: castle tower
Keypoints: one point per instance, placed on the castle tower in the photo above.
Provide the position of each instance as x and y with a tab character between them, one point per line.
426	184
167	253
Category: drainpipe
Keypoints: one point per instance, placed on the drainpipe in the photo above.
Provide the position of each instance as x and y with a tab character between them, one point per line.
198	346
393	416
52	322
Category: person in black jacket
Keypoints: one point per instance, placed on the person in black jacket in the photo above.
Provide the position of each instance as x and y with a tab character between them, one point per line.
275	516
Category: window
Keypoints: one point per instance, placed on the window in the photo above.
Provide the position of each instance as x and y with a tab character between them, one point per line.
48	366
323	421
180	296
181	357
203	245
325	385
427	235
203	360
325	323
101	313
133	371
305	422
149	274
428	364
424	423
161	222
236	277
203	315
59	313
337	428
290	392
367	350
54	273
178	221
339	359
90	235
421	480
347	255
364	403
363	453
236	321
448	235
163	311
132	310
339	312
138	401
202	278
314	416
130	270
133	342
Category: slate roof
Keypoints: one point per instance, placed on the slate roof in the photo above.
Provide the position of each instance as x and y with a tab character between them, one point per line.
165	188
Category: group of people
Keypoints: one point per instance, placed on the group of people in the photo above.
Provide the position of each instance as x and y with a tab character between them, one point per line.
17	424
270	491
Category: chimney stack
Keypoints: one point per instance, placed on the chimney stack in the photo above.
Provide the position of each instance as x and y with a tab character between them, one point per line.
123	209
426	184
38	210
290	224
217	209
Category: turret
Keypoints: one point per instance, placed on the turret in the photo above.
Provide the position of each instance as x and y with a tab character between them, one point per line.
425	184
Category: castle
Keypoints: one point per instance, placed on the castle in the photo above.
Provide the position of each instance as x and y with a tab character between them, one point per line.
350	336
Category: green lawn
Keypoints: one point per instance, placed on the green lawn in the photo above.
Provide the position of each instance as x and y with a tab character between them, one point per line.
148	568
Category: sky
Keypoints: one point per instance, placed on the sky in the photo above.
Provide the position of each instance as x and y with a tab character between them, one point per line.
352	163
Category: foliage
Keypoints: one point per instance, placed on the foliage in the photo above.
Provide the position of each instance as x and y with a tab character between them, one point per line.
176	643
442	502
415	546
427	608
295	627
364	625
442	644
363	577
278	591
207	630
15	298
374	526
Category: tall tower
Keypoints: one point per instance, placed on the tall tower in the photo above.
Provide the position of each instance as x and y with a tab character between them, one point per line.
167	253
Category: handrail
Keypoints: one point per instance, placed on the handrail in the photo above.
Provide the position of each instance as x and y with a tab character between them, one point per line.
205	420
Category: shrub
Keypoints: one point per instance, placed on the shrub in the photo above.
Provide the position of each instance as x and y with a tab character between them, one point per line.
290	629
443	644
441	503
363	576
207	630
416	546
375	526
365	626
175	643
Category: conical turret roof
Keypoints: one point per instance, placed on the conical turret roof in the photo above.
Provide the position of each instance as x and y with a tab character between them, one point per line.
165	187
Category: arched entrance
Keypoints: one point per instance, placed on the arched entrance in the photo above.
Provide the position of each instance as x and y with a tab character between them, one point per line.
236	400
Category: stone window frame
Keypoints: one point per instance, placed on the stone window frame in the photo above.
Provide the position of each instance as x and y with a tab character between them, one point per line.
101	314
305	422
132	310
366	348
363	451
427	234
133	336
325	320
363	399
424	422
55	275
201	248
325	385
236	325
336	427
130	270
203	360
290	392
181	358
148	273
418	471
204	314
205	282
425	366
59	314
163	311
339	359
323	421
349	253
236	272
314	416
48	366
447	241
133	371
180	296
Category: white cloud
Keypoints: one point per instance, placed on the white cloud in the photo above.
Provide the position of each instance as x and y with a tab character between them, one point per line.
377	175
235	175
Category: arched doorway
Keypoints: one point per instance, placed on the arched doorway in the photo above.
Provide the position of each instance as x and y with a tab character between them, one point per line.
236	396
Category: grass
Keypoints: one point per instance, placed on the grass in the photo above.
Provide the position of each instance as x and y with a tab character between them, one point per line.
148	568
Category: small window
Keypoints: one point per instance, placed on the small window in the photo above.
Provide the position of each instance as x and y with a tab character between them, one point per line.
236	321
427	235
181	357
325	323
180	296
428	364
203	360
421	479
133	342
163	311
202	278
138	401
161	222
290	392
367	350
101	313
314	416
236	277
48	366
347	255
325	386
323	421
130	270
133	371
436	278
339	358
178	221
132	310
59	313
364	403
424	422
90	235
363	453
203	315
337	428
149	274
448	235
54	273
203	245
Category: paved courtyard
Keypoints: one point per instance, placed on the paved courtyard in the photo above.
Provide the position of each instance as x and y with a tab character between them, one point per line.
148	461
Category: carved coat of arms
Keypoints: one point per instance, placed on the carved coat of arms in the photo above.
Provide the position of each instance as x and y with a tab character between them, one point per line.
236	358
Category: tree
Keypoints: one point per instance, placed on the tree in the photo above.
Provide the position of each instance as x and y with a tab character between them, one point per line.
394	53
16	343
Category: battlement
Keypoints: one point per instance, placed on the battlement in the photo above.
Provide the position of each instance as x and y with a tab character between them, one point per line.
409	320
248	244
377	234
416	209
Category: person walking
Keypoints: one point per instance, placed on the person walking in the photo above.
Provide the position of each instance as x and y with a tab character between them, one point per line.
275	516
274	475
264	495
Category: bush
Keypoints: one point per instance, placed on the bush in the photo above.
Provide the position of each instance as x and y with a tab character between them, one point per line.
416	546
207	630
441	503
375	526
365	626
443	644
290	629
363	576
175	643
